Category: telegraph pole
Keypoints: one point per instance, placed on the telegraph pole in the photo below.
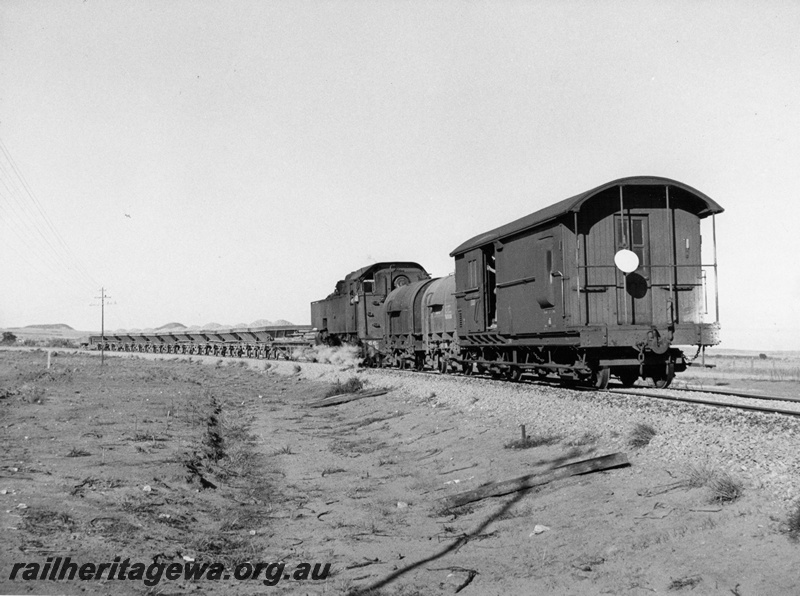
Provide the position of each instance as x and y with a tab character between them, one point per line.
102	297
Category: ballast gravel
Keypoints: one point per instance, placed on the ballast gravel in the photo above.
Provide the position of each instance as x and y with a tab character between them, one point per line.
759	449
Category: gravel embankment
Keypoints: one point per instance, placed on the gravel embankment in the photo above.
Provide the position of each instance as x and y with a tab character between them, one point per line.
759	449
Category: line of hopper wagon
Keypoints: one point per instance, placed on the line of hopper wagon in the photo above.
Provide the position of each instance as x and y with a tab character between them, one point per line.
274	342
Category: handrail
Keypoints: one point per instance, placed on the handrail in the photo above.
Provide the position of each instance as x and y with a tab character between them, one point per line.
515	282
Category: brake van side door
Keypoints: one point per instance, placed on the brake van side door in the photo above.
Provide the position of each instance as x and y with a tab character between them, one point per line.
470	280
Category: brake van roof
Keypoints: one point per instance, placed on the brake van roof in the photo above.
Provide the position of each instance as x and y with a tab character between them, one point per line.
573	204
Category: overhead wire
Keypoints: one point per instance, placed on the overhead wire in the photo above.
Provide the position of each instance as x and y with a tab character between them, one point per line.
30	214
26	211
40	236
28	235
17	234
17	220
20	233
34	261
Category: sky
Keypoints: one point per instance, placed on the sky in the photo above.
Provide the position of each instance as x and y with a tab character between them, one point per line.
216	161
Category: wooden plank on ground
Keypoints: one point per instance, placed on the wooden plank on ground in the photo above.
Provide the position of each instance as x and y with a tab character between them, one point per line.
496	489
344	398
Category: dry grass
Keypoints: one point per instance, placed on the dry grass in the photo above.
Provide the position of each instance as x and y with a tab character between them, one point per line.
723	486
42	521
531	441
641	435
699	474
351	385
685	582
793	522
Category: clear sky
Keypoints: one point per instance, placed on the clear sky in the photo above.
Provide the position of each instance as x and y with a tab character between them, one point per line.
214	161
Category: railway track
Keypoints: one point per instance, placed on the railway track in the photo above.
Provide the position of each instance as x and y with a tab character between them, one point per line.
748	394
668	394
674	394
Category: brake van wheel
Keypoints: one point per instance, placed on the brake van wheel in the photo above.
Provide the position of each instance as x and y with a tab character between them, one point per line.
514	374
600	377
628	377
663	380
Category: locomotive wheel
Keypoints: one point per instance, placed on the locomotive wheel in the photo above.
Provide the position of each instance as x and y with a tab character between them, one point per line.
442	365
514	374
628	377
600	377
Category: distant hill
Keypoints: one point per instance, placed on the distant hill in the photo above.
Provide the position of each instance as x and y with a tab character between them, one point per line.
268	323
60	326
261	323
171	326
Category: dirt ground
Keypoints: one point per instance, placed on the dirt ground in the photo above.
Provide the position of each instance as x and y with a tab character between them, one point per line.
190	461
